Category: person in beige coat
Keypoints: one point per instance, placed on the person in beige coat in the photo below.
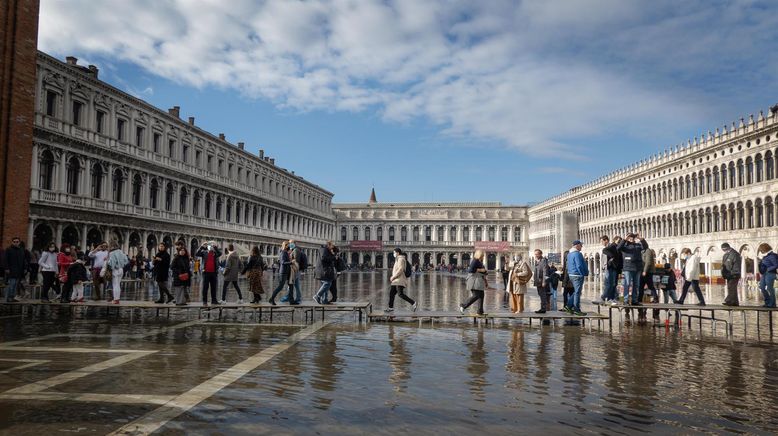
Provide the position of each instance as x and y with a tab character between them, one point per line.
519	276
399	281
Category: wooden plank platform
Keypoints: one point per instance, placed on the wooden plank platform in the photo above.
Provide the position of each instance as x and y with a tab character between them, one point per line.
433	316
308	308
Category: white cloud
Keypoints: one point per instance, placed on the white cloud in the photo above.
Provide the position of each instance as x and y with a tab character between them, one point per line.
538	76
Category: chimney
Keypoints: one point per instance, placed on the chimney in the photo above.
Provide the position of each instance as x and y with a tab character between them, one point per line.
175	111
261	154
93	69
272	161
72	60
221	136
191	121
266	159
240	145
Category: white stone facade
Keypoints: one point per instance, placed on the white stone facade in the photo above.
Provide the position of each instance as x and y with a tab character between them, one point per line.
431	233
107	165
718	188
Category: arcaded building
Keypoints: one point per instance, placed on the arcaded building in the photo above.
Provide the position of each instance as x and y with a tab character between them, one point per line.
719	187
431	233
109	166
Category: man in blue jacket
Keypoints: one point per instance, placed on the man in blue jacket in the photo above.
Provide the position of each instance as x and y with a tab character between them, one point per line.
577	270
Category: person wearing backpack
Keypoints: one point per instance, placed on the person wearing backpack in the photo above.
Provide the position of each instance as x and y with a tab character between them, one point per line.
399	280
117	261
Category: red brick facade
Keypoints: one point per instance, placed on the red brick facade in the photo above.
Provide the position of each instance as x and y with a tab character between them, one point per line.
18	52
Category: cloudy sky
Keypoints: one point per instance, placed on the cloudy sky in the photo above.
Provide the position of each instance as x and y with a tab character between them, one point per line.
510	101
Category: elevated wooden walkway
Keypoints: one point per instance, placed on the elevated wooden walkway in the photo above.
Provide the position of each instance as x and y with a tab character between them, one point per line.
433	316
309	309
703	313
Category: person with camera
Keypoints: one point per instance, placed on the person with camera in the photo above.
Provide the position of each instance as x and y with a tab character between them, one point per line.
209	255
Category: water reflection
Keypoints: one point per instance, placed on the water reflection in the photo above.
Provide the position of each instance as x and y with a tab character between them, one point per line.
477	365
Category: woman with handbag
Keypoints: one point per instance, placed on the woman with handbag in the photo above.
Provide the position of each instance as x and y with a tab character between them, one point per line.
232	266
520	275
161	273
476	283
182	275
255	269
116	263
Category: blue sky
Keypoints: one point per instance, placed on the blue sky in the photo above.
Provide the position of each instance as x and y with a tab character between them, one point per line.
436	101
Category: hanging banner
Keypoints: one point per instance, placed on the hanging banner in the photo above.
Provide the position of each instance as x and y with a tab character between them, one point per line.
498	246
366	245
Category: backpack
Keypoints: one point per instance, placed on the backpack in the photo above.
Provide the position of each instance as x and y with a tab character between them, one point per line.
303	261
408	269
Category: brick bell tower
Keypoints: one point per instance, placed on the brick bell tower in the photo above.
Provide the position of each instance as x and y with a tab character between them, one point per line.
18	52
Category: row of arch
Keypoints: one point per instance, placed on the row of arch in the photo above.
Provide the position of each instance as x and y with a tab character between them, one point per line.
432	233
86	177
751	214
753	169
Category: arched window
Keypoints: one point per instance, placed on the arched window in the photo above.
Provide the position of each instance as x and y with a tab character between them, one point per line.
237	212
479	233
749	171
343	235
379	234
74	171
716	219
355	233
97	181
732	175
759	168
492	232
416	233
694	185
207	206
452	234
219	208
759	213
769	212
517	234
740	216
154	194
367	234
741	172
427	233
182	199
688	190
169	193
504	234
716	180
749	215
137	185
403	233
229	210
118	185
196	203
769	166
391	233
254	216
46	171
466	234
708	182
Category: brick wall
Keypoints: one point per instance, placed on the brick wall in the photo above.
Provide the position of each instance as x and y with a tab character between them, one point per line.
18	52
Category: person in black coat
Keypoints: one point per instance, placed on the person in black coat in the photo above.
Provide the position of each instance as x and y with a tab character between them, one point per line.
325	272
15	267
182	275
162	273
340	266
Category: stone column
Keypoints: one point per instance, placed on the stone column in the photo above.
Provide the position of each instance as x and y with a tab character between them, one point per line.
83	237
30	234
58	234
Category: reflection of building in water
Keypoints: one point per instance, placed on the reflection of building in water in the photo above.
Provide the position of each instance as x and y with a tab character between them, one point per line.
720	187
431	233
107	165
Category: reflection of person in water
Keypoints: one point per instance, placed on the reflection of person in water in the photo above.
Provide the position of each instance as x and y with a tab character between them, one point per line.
326	367
574	370
542	358
399	360
517	359
477	367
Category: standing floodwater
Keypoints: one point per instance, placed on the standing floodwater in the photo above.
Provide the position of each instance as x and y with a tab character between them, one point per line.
96	376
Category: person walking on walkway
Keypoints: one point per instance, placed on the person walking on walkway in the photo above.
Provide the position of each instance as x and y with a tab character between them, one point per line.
182	275
34	267
767	268
647	276
631	250
730	271
284	262
518	278
476	283
565	282
76	278
98	255
15	269
49	267
232	269
691	276
401	271
578	270
295	272
161	273
209	255
255	269
325	272
116	262
340	266
64	259
541	281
